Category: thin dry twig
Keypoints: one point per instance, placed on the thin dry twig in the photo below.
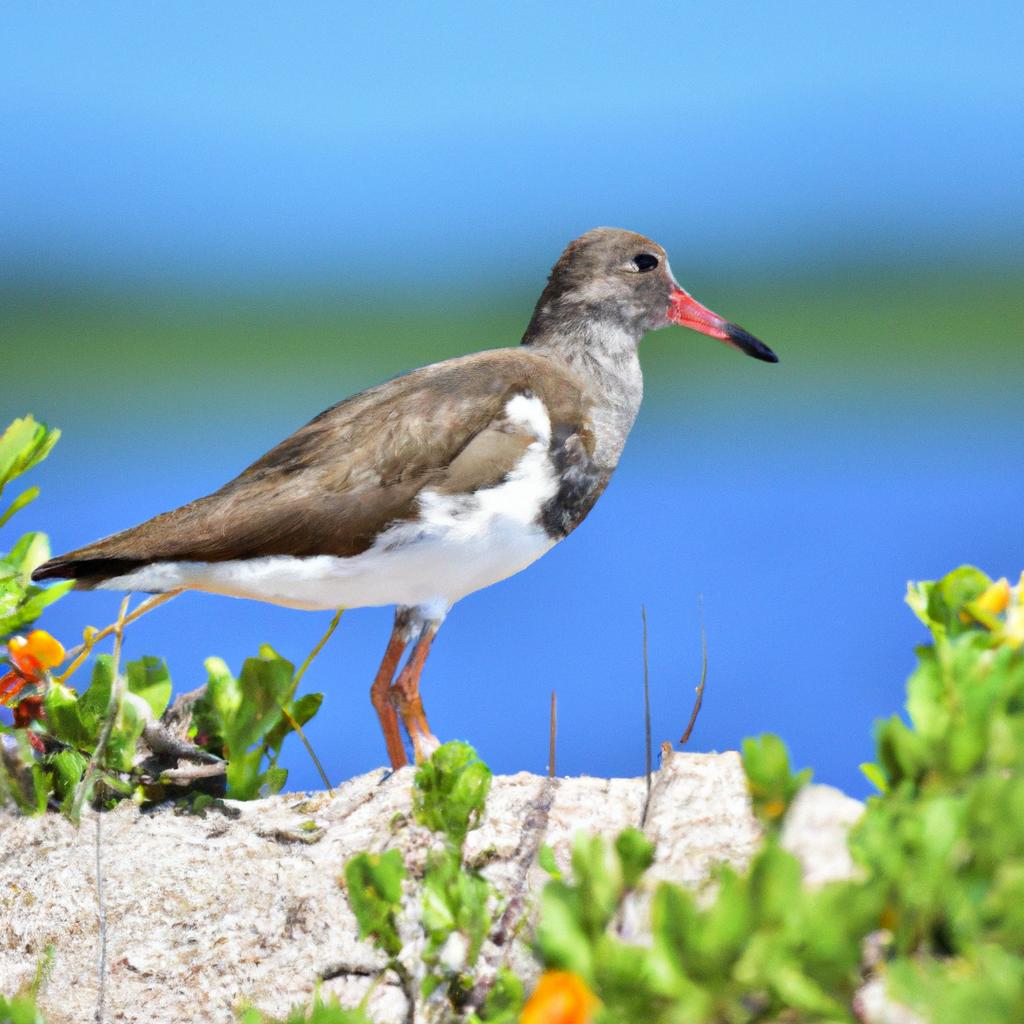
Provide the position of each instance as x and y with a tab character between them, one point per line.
647	707
83	650
159	738
552	734
82	792
703	679
293	722
101	915
191	773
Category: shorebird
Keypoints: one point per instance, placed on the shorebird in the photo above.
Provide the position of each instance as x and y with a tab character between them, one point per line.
432	485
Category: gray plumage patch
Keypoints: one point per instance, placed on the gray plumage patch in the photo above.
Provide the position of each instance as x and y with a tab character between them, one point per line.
581	482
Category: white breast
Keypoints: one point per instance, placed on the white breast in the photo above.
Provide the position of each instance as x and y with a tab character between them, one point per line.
459	543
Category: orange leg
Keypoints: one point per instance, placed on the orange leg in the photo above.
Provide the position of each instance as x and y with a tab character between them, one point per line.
405	694
380	690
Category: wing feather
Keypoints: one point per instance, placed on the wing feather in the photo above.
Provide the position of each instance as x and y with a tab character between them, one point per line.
334	484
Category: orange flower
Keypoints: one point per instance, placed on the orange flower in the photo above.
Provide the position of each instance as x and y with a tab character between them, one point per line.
35	651
559	998
32	656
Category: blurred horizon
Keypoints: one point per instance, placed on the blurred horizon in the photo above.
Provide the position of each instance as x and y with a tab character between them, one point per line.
217	221
222	145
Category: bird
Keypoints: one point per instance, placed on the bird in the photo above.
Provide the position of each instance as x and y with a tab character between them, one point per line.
434	484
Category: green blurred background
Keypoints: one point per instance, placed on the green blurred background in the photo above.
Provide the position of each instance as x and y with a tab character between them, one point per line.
219	221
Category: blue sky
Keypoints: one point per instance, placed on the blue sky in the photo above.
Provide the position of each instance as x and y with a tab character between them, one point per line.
437	144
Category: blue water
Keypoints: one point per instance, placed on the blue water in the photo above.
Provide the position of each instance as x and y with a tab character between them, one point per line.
792	531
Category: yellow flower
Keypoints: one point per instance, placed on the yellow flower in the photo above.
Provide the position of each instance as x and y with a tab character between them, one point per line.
1014	634
988	604
995	598
559	998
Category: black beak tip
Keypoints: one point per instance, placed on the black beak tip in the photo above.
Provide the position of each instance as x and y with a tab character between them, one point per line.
746	342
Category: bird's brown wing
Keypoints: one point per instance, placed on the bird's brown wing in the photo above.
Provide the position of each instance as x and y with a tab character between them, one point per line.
337	482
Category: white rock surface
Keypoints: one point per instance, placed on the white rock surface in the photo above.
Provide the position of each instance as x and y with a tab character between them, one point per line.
815	830
205	913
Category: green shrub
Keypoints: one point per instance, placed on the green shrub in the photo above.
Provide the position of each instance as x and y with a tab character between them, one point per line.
67	747
24	444
940	853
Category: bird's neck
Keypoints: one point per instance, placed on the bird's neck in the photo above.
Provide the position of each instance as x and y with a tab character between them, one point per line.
604	356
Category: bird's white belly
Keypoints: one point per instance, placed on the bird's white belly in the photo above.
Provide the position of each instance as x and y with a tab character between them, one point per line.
432	571
457	544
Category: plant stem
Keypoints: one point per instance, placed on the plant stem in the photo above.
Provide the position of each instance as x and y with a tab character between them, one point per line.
296	679
313	653
293	722
113	710
552	734
647	706
101	915
703	678
85	649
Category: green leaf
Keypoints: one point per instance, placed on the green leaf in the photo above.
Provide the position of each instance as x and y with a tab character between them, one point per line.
273	780
131	720
68	719
256	699
775	884
243	719
454	899
93	704
561	939
243	774
24	444
636	855
21	604
21	778
800	992
149	679
546	860
598	876
28	553
948	597
68	766
449	791
674	927
330	1012
505	999
771	783
874	774
25	498
20	1010
374	885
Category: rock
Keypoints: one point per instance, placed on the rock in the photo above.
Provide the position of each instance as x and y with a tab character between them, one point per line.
204	914
873	1006
815	830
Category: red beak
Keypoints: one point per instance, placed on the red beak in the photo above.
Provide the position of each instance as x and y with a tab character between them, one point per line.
686	311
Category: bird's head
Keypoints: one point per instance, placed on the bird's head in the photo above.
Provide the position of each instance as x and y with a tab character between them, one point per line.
620	280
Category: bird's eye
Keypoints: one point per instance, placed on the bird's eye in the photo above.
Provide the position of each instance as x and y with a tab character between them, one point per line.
644	261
